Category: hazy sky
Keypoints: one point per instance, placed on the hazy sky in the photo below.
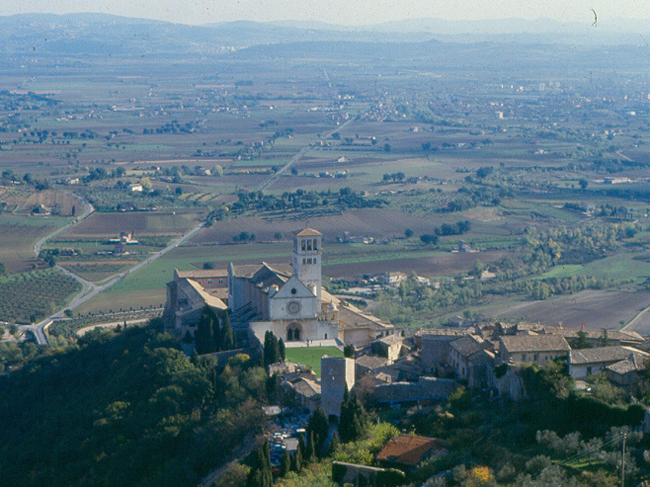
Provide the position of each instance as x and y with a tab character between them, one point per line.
347	12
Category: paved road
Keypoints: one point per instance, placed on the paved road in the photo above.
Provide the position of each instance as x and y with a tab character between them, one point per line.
297	157
90	290
88	210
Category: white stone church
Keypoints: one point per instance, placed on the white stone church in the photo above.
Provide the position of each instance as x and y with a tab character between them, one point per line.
288	300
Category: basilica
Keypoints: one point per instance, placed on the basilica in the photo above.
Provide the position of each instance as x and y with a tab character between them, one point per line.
288	300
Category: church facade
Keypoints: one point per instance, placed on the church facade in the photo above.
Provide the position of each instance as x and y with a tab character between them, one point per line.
288	300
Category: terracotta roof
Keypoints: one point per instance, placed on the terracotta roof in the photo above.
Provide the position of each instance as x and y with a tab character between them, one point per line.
390	339
306	387
266	276
307	232
349	316
469	345
371	361
385	374
602	354
409	450
426	389
624	336
248	270
209	299
631	364
534	343
203	274
444	332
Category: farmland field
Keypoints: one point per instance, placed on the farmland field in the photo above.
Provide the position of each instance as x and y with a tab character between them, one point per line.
622	266
368	222
423	263
596	309
141	223
111	130
97	271
19	234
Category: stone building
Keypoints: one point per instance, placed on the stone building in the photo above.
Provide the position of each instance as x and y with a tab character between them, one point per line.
288	300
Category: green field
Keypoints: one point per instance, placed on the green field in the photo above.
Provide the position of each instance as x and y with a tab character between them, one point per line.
621	266
310	356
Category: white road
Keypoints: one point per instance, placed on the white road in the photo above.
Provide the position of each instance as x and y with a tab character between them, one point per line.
90	290
297	157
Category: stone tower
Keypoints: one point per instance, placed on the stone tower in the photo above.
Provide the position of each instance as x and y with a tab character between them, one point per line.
337	373
307	251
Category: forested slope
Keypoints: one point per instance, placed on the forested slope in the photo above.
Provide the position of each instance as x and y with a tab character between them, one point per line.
124	409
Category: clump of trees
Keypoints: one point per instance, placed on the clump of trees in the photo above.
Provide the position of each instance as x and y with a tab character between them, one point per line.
244	237
214	332
458	228
353	422
396	177
300	199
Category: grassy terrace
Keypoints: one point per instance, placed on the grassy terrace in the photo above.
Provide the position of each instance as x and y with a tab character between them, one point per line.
310	356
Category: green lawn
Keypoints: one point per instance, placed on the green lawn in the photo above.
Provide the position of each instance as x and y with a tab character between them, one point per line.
310	356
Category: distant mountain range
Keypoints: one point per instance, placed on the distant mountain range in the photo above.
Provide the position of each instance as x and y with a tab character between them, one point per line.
101	34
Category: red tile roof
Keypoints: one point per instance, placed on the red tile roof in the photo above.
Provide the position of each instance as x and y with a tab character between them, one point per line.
409	450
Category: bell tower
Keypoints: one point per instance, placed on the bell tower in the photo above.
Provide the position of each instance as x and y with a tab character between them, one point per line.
307	251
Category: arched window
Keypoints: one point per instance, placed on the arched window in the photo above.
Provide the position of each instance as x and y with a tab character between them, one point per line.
294	332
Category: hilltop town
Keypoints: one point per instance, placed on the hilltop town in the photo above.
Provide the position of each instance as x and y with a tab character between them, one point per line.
299	254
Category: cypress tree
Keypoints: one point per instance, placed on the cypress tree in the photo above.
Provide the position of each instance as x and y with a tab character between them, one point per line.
318	426
334	444
215	337
346	418
227	335
283	349
271	386
261	474
268	471
360	418
309	451
297	465
285	464
203	335
276	348
271	349
354	419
